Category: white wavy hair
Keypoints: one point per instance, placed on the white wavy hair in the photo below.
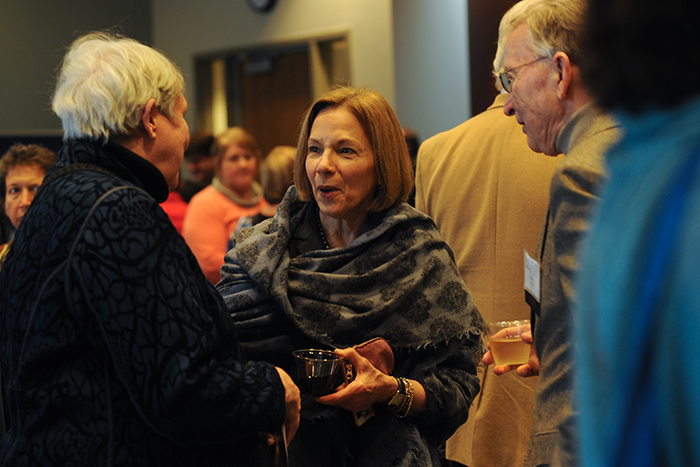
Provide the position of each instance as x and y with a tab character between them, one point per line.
104	83
554	25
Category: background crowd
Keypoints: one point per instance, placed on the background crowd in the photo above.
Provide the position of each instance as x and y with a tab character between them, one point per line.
155	316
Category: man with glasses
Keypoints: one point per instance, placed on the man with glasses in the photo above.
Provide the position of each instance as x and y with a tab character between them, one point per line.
484	168
537	62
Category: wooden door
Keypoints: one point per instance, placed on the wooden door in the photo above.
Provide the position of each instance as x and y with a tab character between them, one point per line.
275	91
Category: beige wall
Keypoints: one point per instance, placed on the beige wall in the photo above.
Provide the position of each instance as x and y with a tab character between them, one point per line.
184	29
432	71
413	51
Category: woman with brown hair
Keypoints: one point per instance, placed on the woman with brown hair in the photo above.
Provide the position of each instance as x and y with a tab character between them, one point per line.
276	176
346	260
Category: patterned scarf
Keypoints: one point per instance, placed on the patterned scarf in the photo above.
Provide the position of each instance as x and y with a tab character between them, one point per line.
397	280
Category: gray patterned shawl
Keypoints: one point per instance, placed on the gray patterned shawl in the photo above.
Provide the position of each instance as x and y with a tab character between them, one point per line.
398	280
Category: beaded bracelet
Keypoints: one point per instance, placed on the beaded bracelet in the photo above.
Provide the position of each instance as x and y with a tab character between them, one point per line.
407	385
406	407
400	390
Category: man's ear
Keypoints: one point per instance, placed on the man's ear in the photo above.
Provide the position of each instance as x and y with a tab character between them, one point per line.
148	118
562	65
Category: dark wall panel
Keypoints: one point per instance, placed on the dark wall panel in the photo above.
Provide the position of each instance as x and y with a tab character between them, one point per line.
34	35
484	17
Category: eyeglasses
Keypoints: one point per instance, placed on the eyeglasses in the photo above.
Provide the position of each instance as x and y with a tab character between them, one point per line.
507	77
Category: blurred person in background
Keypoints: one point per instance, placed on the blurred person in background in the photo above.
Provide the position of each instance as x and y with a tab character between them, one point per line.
638	316
213	213
22	170
200	164
276	176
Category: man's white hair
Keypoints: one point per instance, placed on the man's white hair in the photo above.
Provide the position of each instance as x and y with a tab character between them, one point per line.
555	25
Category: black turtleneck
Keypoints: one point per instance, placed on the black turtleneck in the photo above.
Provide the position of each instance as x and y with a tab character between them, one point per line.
117	159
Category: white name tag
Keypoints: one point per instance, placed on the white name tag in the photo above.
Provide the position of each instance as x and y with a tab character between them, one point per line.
532	276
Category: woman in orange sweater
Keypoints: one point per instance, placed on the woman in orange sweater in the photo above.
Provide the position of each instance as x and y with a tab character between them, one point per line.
213	213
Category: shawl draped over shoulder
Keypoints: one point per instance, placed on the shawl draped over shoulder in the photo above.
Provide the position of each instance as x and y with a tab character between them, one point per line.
398	280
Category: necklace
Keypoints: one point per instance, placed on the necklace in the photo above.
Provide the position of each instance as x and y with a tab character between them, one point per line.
320	228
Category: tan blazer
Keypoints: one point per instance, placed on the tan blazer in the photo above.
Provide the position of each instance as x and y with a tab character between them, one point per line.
488	194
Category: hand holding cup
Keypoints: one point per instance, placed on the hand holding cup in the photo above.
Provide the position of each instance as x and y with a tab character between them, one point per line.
368	387
319	372
510	347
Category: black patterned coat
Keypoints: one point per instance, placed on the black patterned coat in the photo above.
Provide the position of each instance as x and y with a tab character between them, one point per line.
115	348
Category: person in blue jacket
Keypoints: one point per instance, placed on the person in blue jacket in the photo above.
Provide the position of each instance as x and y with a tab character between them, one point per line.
638	313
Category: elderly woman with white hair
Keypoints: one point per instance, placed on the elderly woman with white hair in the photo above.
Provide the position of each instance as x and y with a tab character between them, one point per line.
114	346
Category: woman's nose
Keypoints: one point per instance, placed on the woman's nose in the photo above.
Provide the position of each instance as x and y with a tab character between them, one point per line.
325	163
247	161
26	198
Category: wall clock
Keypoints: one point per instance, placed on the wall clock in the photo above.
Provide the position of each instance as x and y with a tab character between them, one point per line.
261	6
